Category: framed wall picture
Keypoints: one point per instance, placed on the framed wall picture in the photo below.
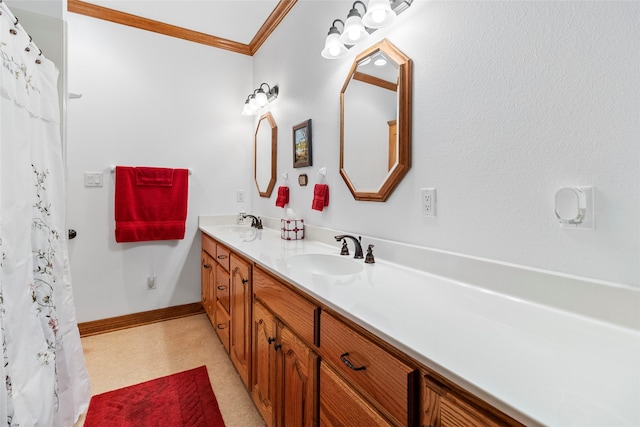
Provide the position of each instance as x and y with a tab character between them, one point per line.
302	145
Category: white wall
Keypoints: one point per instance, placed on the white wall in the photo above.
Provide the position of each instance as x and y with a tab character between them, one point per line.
511	101
152	100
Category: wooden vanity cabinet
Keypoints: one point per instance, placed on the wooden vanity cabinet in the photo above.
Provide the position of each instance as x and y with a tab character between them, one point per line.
284	379
306	365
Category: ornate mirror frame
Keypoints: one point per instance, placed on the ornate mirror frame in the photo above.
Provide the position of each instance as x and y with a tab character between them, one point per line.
266	120
403	125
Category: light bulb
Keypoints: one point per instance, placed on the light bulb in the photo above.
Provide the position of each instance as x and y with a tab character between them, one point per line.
377	16
261	98
333	47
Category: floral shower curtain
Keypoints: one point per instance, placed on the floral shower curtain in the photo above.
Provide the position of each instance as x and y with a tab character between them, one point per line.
45	377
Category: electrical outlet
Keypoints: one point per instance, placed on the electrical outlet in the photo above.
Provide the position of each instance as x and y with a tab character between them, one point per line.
151	282
241	220
240	196
428	201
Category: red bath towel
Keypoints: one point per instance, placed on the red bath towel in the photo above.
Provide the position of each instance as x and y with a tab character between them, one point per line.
150	203
320	197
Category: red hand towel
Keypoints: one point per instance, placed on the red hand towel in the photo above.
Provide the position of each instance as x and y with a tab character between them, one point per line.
320	197
283	196
150	203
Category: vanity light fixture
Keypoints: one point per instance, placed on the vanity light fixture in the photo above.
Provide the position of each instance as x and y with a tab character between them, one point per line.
259	99
357	28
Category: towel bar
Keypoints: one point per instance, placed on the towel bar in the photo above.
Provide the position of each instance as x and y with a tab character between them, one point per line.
113	169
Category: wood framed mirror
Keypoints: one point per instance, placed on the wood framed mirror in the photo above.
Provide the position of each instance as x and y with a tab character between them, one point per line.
265	154
375	122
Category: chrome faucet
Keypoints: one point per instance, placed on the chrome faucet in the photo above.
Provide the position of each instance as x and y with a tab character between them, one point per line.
255	221
358	254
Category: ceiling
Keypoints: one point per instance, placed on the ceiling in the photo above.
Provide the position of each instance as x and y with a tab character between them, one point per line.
237	25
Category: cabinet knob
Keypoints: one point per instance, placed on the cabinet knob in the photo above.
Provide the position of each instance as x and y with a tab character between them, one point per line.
277	347
221	288
222	257
206	265
221	325
271	339
350	365
245	281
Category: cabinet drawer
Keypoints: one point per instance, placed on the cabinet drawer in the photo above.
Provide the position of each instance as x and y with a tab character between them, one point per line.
222	287
222	256
209	245
294	310
222	325
340	405
385	380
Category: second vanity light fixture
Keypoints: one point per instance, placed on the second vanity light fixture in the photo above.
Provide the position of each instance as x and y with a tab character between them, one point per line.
357	27
259	99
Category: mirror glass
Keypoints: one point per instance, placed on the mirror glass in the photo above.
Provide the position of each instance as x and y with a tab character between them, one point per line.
375	128
265	146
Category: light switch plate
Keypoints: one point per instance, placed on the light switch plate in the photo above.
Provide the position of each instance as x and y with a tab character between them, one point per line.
93	179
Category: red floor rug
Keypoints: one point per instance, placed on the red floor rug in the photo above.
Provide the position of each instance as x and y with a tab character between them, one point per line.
184	399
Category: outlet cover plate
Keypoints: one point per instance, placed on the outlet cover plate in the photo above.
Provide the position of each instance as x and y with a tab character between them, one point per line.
428	201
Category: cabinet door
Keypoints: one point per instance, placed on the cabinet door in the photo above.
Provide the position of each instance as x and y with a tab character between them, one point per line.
240	305
207	281
263	388
297	381
340	405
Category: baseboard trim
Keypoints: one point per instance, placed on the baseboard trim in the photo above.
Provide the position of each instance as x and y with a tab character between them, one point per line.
111	324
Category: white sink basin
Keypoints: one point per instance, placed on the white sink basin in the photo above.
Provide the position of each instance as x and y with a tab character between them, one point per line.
234	228
328	265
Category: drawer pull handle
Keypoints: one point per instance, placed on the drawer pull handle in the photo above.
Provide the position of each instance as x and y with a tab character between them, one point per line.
245	281
206	265
221	325
222	288
277	347
351	365
222	256
271	339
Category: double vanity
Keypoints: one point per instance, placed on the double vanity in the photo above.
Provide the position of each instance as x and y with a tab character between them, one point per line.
418	338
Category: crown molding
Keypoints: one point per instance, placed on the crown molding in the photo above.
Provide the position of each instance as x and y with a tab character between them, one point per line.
111	15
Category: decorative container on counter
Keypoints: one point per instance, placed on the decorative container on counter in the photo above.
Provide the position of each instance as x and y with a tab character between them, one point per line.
292	229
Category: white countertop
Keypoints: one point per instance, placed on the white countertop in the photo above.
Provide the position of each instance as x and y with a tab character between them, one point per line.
538	363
